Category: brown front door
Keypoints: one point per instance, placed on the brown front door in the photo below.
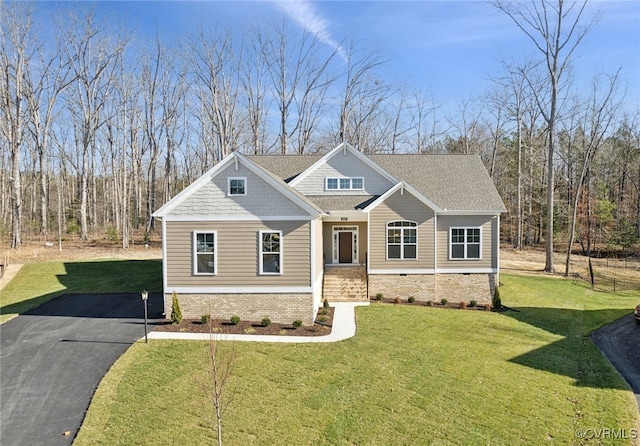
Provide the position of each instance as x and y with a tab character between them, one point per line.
345	250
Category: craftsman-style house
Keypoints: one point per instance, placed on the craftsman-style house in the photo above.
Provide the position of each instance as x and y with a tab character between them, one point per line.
272	235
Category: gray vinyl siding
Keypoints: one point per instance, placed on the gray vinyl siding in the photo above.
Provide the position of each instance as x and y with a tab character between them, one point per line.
488	233
401	207
327	234
341	166
237	253
262	199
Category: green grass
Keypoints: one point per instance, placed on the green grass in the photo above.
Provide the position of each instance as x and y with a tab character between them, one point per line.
412	375
37	283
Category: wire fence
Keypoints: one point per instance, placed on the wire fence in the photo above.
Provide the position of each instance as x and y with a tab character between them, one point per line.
615	285
625	262
605	279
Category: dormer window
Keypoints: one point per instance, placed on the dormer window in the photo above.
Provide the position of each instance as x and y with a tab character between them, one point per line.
236	186
345	183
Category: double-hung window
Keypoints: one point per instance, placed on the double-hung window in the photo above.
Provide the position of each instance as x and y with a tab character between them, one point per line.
402	240
270	252
205	252
465	243
236	186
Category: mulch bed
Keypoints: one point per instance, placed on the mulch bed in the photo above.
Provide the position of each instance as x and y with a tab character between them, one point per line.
322	327
452	305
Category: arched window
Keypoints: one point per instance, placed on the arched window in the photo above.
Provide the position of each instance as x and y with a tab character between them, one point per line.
402	240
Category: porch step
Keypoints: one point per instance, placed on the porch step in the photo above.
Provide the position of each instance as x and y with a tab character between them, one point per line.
345	284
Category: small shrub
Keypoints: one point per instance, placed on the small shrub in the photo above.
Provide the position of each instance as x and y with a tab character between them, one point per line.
176	312
429	303
205	319
463	304
298	323
397	300
325	304
265	322
249	330
235	320
473	303
411	299
112	234
379	296
496	303
444	301
322	318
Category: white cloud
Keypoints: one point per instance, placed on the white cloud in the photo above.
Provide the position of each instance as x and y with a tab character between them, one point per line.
304	13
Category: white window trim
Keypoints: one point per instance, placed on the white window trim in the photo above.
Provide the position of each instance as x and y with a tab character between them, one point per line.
195	253
326	183
229	186
261	254
386	240
465	243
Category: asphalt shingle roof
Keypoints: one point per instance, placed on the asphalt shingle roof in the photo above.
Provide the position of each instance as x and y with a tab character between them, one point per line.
453	182
341	202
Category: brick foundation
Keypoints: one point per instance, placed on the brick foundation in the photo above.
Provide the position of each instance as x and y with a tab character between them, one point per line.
453	287
280	308
422	287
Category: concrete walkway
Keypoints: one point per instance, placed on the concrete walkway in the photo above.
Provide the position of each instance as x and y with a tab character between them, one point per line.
9	273
343	327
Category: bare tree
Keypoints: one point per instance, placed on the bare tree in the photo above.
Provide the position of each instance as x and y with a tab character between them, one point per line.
424	121
94	56
595	123
253	77
221	363
518	101
555	29
43	86
299	77
212	60
15	56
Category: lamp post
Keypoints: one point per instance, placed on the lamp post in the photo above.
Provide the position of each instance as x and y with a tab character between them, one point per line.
145	296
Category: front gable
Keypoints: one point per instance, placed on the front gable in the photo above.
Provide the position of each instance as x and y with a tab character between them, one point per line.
398	208
345	165
237	189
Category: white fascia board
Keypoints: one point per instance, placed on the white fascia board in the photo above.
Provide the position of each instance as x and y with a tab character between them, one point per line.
466	270
281	187
239	290
381	199
402	271
193	187
332	153
213	218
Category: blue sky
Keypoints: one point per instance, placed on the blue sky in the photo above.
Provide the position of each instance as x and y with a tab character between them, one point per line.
450	47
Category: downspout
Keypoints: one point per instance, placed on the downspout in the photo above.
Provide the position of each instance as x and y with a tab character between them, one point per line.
435	254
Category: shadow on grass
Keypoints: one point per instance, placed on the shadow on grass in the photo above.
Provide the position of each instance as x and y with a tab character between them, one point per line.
93	279
575	355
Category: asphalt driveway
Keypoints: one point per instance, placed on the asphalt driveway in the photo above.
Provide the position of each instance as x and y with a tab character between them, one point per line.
53	357
620	343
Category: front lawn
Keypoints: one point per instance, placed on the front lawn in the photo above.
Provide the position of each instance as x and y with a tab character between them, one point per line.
412	375
36	283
